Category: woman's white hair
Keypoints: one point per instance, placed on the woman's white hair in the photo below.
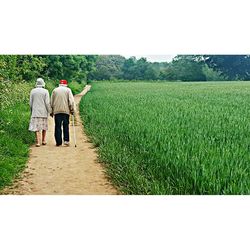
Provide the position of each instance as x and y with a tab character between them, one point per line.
40	82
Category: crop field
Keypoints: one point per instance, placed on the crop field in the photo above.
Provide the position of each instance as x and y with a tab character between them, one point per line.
172	137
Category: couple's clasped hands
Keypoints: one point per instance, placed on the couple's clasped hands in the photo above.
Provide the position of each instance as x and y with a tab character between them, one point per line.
52	115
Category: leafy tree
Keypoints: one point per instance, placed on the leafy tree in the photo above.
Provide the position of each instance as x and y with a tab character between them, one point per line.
54	67
233	67
108	67
29	67
129	69
212	75
7	67
20	67
187	68
69	67
151	73
140	69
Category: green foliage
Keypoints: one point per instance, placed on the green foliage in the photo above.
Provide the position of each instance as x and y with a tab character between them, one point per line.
76	87
184	68
84	68
50	85
7	67
15	68
212	75
10	94
172	138
13	156
69	67
233	67
108	67
14	135
20	67
29	67
129	69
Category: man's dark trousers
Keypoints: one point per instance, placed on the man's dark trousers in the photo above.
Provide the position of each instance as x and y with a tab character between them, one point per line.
61	120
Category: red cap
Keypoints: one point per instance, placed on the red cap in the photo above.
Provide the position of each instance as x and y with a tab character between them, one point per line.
63	82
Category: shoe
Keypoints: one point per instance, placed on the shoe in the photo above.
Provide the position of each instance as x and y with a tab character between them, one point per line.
44	143
38	145
66	143
58	145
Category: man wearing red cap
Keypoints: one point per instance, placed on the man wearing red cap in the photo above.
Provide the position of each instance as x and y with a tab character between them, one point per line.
62	104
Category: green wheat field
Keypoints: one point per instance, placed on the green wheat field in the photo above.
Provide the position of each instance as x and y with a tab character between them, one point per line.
172	137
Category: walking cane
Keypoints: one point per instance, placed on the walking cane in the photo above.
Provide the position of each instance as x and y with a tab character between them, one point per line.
74	129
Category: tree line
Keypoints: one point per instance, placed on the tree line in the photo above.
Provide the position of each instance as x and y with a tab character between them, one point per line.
16	68
115	67
182	68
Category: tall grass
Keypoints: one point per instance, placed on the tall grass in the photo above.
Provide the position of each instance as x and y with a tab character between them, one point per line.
11	94
14	135
172	138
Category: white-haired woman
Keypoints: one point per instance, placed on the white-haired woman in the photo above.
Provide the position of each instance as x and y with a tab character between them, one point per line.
40	110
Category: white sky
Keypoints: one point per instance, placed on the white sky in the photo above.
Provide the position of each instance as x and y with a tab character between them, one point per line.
154	58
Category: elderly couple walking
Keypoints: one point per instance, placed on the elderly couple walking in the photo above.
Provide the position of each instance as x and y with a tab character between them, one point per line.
60	105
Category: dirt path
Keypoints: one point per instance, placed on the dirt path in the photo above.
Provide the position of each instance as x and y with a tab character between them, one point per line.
63	170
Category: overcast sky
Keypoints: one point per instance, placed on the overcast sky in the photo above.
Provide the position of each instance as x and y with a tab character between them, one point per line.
154	58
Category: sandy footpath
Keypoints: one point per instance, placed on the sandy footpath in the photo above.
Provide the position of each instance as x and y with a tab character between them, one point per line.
63	170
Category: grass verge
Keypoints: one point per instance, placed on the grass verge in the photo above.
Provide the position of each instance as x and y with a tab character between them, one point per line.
15	138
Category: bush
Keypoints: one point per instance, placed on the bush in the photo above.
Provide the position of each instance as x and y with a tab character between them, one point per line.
11	93
76	87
